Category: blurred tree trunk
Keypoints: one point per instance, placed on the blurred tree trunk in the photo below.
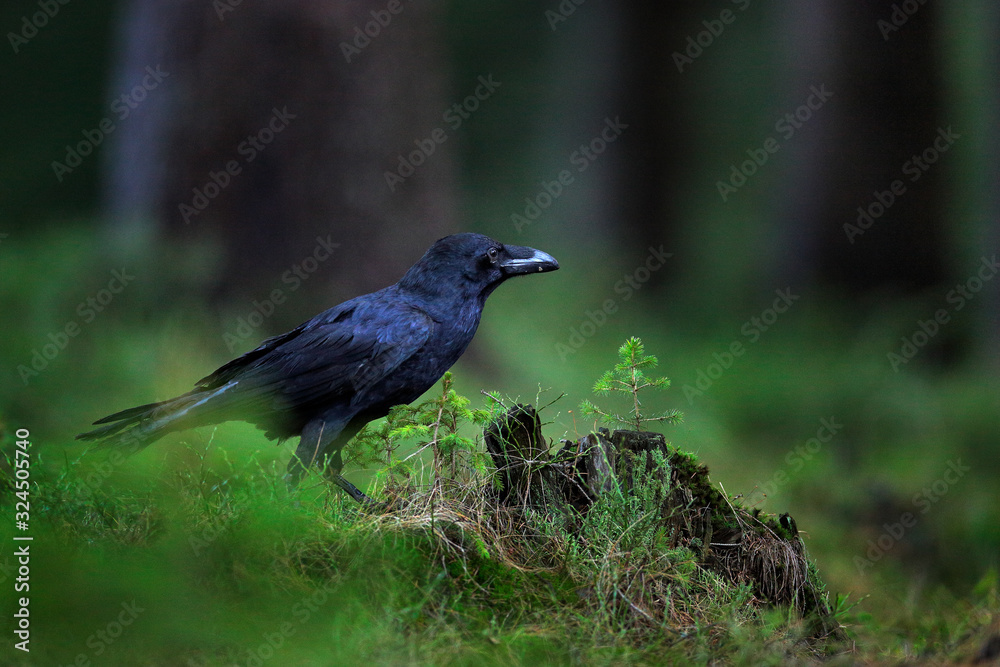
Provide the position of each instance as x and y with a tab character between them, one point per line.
658	152
308	103
887	109
607	62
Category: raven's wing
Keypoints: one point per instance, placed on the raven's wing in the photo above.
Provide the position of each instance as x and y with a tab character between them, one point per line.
336	357
335	361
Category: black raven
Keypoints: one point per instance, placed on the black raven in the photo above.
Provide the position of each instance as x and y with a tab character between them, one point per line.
328	377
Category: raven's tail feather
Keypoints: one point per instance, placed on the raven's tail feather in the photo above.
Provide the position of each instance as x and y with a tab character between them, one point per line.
136	427
142	425
131	413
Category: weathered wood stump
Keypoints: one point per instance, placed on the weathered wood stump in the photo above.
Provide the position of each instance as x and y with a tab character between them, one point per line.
740	544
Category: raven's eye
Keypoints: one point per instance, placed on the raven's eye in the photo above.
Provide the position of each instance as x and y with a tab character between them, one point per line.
493	254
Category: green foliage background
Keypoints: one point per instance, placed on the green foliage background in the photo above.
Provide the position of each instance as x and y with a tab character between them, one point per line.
199	533
198	530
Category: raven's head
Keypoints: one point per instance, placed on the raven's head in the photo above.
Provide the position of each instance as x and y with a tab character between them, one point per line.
473	264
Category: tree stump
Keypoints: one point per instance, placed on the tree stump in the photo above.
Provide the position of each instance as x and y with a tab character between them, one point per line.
739	544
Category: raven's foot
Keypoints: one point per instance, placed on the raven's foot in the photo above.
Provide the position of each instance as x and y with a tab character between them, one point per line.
353	491
296	471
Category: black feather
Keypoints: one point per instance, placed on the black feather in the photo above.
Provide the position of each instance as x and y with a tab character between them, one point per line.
327	377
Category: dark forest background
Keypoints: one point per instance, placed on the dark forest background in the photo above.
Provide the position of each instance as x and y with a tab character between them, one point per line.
840	154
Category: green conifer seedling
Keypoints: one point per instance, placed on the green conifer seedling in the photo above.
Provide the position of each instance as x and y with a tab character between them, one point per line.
629	377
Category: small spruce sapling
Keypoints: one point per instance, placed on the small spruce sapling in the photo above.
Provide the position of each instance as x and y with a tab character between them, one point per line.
448	411
378	441
437	418
629	377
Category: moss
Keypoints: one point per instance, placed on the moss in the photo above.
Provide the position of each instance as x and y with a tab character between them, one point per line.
742	545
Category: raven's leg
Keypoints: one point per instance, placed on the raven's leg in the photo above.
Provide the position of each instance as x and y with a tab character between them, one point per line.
316	437
331	471
312	451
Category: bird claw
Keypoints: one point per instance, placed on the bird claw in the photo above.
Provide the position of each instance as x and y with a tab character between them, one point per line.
353	491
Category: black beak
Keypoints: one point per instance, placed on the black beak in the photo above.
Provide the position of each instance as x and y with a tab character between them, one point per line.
522	260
